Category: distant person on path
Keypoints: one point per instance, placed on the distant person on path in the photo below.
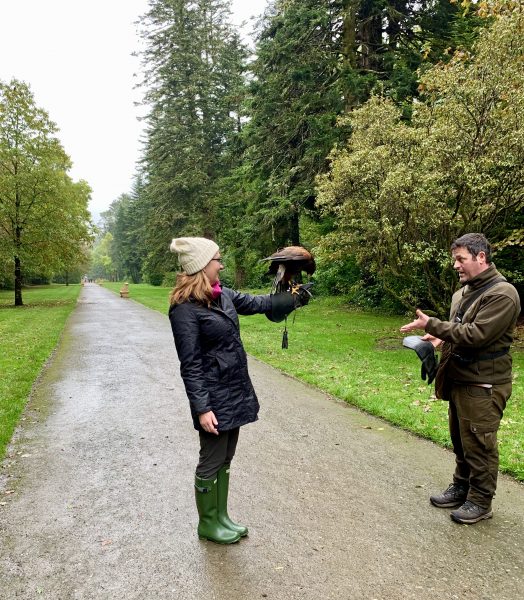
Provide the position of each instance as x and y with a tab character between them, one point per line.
474	374
213	365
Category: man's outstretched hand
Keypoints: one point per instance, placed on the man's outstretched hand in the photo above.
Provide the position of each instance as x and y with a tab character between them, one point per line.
419	323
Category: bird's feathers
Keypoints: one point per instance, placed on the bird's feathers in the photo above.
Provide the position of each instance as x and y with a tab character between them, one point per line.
287	264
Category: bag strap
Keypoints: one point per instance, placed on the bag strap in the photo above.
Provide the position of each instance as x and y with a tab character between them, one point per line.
469	301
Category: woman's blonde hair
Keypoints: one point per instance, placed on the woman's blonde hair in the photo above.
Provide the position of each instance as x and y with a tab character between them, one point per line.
195	287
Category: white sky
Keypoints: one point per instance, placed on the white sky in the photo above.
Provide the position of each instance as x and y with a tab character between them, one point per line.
76	56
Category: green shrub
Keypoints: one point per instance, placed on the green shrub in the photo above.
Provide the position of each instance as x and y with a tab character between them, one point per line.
169	279
155	278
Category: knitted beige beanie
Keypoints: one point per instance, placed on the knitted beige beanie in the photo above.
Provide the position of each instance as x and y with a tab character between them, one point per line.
194	253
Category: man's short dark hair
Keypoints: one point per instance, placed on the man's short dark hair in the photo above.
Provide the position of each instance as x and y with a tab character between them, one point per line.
474	243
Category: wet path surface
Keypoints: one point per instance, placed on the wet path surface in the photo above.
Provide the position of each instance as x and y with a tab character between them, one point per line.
97	497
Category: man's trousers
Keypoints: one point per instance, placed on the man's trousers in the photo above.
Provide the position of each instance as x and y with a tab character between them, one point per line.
474	418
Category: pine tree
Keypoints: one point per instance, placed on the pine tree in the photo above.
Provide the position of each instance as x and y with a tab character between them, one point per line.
295	100
193	64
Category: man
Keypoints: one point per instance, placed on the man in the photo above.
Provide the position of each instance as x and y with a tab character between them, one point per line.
474	374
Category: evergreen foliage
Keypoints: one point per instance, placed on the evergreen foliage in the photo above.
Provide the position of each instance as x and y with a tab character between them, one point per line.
295	98
403	191
194	62
386	108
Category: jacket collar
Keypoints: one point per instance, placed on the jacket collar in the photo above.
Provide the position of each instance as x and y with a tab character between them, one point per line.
482	279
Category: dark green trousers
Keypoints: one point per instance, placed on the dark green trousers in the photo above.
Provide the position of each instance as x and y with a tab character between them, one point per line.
474	418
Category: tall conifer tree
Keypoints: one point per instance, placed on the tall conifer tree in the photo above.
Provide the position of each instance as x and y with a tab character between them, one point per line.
193	73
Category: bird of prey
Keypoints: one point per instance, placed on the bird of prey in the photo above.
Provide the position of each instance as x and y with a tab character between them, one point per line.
286	265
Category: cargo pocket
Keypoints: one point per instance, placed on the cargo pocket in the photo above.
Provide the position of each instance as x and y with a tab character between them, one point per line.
484	427
479	406
476	391
486	433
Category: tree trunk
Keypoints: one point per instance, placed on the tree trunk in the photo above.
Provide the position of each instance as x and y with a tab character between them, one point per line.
370	35
348	35
350	9
240	276
396	13
294	229
18	282
67	278
135	274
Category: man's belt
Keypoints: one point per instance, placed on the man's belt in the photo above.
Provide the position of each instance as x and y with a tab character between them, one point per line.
467	360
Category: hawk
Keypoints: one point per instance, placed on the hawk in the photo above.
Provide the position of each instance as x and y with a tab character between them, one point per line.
287	265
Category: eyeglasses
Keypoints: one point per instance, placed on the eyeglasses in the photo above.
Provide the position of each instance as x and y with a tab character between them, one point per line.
220	260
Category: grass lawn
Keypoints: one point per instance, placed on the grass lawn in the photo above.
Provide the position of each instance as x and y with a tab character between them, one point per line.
28	335
358	357
152	296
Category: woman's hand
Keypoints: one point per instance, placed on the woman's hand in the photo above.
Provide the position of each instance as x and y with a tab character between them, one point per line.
208	422
419	323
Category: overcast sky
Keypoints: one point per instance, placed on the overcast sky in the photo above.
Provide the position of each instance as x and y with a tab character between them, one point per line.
76	56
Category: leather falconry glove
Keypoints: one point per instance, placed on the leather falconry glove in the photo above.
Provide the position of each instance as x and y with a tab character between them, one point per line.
284	303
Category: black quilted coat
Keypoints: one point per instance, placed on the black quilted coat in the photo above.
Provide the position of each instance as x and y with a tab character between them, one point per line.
213	361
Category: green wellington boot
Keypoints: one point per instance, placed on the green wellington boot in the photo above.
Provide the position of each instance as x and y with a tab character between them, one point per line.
222	493
209	527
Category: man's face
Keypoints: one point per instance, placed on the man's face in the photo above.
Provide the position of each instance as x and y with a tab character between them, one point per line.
467	265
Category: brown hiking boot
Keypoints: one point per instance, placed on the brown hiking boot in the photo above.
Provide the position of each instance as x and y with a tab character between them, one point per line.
455	495
470	512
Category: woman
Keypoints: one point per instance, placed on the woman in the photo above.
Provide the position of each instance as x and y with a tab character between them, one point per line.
213	366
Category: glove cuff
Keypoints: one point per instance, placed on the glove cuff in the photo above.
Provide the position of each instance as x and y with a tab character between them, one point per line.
282	305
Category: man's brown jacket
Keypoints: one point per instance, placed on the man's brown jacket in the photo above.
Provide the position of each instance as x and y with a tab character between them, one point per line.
478	347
